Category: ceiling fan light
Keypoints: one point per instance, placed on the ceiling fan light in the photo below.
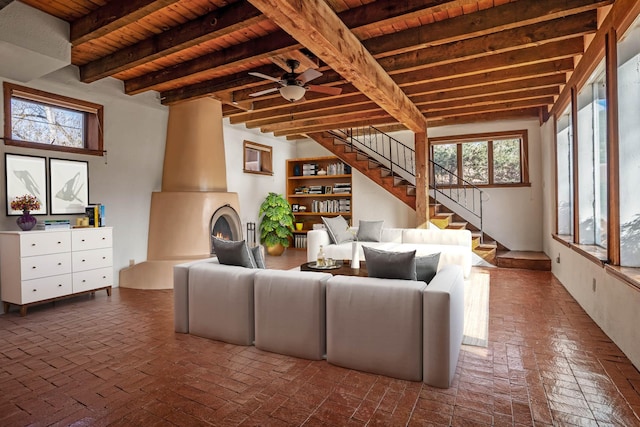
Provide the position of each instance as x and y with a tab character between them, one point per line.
292	92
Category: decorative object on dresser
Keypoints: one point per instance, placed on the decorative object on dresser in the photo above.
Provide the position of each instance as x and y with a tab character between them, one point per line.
318	186
42	266
26	204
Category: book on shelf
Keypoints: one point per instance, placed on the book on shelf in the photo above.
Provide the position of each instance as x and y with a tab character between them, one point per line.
96	215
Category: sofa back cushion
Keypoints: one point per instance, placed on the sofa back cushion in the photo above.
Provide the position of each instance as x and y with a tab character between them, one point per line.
231	252
370	231
338	229
392	235
390	265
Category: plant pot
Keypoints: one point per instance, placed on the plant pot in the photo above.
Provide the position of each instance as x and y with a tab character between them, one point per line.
299	226
276	250
26	221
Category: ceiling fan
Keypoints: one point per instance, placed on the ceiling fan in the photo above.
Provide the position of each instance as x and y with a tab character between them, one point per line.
293	86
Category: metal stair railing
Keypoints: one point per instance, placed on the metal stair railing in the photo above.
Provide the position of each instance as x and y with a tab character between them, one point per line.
400	160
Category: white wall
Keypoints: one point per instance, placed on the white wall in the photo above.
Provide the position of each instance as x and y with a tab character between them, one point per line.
370	202
134	138
613	305
253	188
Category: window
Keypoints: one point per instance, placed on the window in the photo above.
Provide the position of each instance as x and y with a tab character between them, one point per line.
497	159
592	160
37	119
629	145
257	158
564	167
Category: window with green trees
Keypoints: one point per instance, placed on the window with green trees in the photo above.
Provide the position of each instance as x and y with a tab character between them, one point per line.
497	159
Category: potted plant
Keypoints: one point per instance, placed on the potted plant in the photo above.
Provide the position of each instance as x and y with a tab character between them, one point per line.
276	227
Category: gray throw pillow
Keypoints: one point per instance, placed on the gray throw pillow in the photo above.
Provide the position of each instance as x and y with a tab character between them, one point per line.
231	252
370	231
256	251
338	229
427	267
390	265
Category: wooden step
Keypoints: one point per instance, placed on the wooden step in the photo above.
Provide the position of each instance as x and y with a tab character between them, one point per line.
486	252
457	226
434	209
528	260
442	220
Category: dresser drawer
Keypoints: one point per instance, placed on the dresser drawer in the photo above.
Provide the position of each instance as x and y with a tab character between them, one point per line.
32	244
45	288
45	265
91	238
92	279
89	260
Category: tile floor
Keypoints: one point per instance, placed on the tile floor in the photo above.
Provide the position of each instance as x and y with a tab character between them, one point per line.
116	361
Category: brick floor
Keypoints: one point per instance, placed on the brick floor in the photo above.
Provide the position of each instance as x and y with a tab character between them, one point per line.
116	361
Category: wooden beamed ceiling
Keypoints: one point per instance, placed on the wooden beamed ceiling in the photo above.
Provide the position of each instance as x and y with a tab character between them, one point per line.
398	64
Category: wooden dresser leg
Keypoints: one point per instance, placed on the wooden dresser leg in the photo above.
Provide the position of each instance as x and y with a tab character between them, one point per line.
109	291
6	306
23	310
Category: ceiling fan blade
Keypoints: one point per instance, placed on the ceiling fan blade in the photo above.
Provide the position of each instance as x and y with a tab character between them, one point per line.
329	90
264	76
309	75
264	92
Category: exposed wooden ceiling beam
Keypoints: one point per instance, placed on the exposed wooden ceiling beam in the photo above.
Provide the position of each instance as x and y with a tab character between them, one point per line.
483	22
531	112
112	16
215	24
488	21
317	27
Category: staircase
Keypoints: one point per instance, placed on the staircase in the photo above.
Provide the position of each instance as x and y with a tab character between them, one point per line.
391	164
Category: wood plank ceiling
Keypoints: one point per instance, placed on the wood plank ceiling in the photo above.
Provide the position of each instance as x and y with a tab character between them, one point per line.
456	61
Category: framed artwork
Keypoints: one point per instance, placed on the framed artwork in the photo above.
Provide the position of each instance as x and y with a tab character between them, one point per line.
25	175
68	186
295	207
328	189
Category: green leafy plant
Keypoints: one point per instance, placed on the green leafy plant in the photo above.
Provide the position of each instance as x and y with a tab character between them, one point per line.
277	221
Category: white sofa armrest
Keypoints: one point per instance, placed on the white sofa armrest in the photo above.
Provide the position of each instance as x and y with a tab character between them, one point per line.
442	329
315	238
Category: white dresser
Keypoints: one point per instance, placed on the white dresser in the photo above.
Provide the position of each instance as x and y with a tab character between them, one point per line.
40	266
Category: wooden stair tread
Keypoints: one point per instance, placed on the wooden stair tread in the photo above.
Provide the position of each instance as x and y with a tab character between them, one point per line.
529	260
458	225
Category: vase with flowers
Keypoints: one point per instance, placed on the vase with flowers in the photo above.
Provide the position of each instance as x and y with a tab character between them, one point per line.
26	203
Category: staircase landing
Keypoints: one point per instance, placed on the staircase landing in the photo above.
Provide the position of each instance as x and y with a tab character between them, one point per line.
529	260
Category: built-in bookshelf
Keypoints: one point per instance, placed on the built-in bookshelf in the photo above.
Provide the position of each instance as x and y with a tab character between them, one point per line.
317	187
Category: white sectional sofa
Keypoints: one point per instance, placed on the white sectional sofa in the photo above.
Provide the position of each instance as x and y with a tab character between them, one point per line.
399	328
454	245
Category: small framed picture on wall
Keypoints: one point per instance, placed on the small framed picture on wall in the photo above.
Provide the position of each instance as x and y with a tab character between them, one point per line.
25	175
69	186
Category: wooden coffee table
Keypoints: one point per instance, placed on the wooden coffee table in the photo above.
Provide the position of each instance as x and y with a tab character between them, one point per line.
343	270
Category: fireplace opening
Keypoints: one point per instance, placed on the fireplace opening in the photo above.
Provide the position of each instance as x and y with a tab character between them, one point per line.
225	224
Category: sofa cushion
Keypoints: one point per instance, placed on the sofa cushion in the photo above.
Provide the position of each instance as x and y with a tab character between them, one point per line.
231	252
338	229
390	265
370	231
427	267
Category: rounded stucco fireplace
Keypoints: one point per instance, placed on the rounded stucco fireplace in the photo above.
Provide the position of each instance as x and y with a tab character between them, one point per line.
225	224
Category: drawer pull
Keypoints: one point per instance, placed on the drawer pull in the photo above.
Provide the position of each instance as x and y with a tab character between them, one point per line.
83	280
82	240
104	277
35	290
59	285
34	267
33	244
104	238
59	263
83	260
104	257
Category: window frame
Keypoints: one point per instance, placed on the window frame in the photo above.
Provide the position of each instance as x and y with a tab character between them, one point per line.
265	158
489	137
93	119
